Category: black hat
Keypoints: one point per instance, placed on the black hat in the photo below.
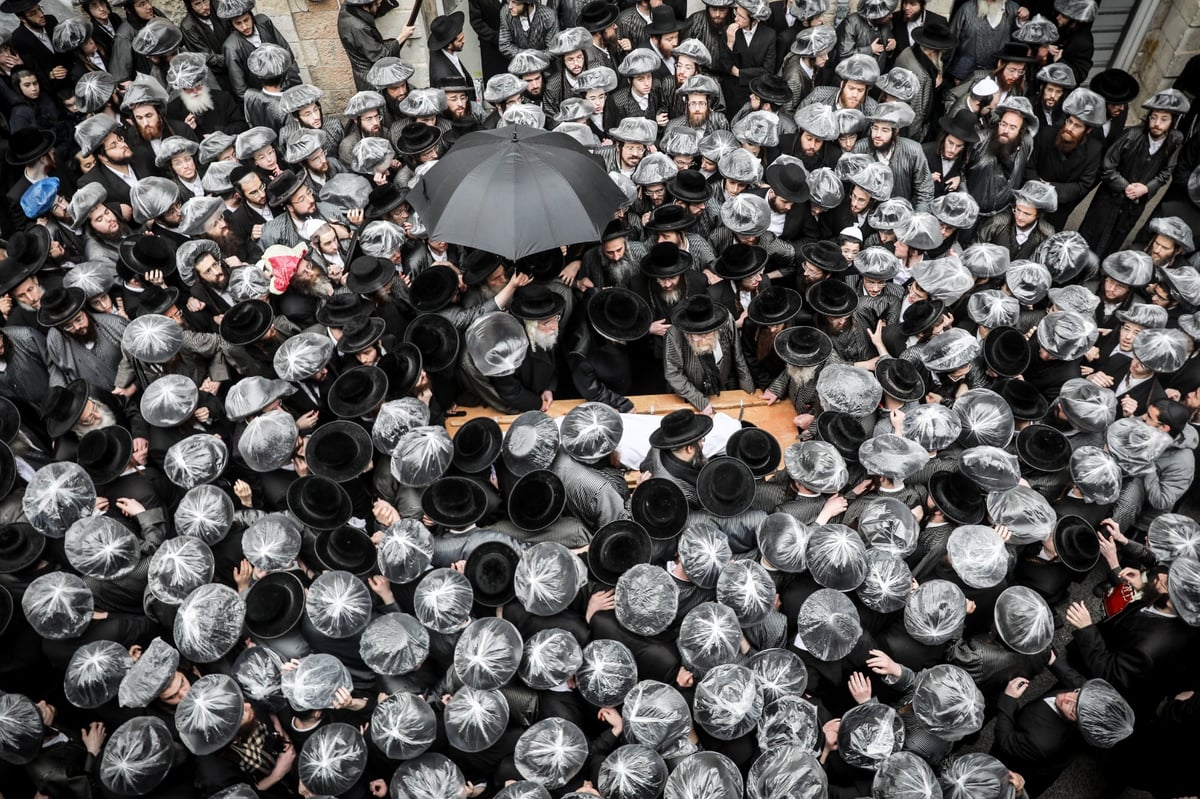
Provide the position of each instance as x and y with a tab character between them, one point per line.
1043	448
663	21
669	217
27	144
756	448
690	186
935	35
8	470
358	391
417	137
774	305
921	316
824	255
25	255
680	428
444	30
843	431
104	454
478	264
619	314
803	346
339	450
831	298
740	261
726	487
1026	402
1115	85
543	265
788	181
699	314
900	379
1015	53
383	200
246	322
319	503
597	15
282	187
433	289
1076	543
666	260
454	502
368	274
536	302
616	547
491	568
536	500
345	548
339	309
477	445
156	300
453	83
403	368
20	547
360	333
274	605
660	507
17	6
60	306
1006	351
63	406
10	420
771	88
964	124
143	253
436	338
957	496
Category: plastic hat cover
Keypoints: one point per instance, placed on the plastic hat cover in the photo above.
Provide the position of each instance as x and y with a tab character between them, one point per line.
210	713
1134	444
443	599
986	418
935	612
728	702
94	673
905	775
607	674
394	644
992	468
705	775
101	547
934	426
1104	717
406	551
206	513
656	715
546	579
978	555
58	605
704	552
314	683
780	673
974	775
633	771
197	459
1173	535
891	456
530	443
1099	478
338	604
888	525
179	567
395	418
1023	620
709	636
590	431
836	557
788	721
1026	513
947	702
870	733
58	495
888	582
488	653
21	729
646	599
403	726
268	441
828	625
786	771
496	344
137	756
747	587
475	719
1183	585
422	455
849	389
550	657
524	789
332	759
816	465
551	752
209	623
430	776
258	672
783	541
272	542
170	400
149	674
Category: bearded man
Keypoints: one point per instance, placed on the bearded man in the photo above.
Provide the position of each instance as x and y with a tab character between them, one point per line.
615	262
152	127
78	344
211	109
102	136
677	450
1067	156
532	386
205	217
998	165
702	354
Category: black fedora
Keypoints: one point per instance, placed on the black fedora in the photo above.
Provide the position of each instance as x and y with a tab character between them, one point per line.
360	333
491	568
740	261
619	314
597	15
537	500
665	260
274	605
246	322
666	218
921	316
477	445
664	21
403	369
383	200
843	431
282	187
143	253
615	229
434	288
900	379
1015	53
339	450
803	346
660	507
936	35
963	124
544	265
157	300
756	448
1043	448
680	428
346	548
1006	351
339	309
59	306
358	392
699	314
617	547
20	547
825	255
454	502
63	407
444	30
436	338
24	257
689	186
1026	402
957	496
318	502
1115	85
725	487
8	470
368	274
104	454
417	137
771	88
536	302
28	144
1076	543
831	298
788	181
478	264
774	305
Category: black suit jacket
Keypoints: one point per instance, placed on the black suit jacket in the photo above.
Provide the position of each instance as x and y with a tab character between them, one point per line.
440	66
37	56
1034	741
900	31
118	190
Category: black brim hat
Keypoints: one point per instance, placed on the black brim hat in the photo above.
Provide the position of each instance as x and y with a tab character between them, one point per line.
598	15
615	548
666	218
665	260
24	257
1115	85
339	450
619	314
725	487
1076	543
28	144
20	547
957	497
63	406
444	30
774	305
825	255
843	431
660	507
345	548
680	428
1026	402
434	288
147	253
368	274
358	391
454	502
246	322
383	200
803	346
963	125
537	500
319	503
788	181
698	314
756	448
1043	448
900	379
60	306
690	186
1006	351
436	338
740	261
491	568
477	445
274	605
341	309
936	35
544	265
921	316
831	298
360	334
104	454
536	302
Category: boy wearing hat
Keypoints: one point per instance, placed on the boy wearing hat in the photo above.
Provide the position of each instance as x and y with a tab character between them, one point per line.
1022	228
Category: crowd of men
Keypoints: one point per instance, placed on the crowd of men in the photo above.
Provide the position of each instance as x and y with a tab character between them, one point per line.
241	554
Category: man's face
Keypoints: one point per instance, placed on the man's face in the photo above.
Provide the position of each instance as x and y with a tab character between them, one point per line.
536	81
780	205
812	273
103	220
684	69
516	7
99	9
952	147
497	278
116	150
810	145
184	166
456	46
35	18
597	99
574	61
318	162
882	135
668	42
718	15
201	8
669	283
1160	294
173	215
398	92
613	249
1112	290
682	161
267	159
702	343
670	237
734	187
642	83
458	104
302	202
78	326
1009	127
859	200
244	24
176	690
1163	249
148	121
210	270
1024	215
28	293
1052	94
310	116
1151	415
217	227
1072	130
911	9
253	189
371	123
1010	73
1159	124
631	153
1127	332
852	93
874	287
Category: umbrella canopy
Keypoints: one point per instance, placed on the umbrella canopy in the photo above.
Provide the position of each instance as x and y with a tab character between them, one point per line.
515	191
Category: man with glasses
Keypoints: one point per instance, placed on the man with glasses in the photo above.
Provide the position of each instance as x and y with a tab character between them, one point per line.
911	178
301	215
102	137
32	41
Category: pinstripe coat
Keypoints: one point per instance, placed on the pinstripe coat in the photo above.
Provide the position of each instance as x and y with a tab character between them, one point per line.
685	373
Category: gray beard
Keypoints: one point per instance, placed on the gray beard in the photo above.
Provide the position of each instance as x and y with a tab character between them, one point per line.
620	273
671	297
201	104
801	375
106	420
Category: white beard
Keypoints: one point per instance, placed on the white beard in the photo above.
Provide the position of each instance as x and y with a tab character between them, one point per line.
199	104
106	420
539	340
704	347
801	375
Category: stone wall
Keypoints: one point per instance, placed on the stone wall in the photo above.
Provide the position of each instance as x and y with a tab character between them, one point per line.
1173	39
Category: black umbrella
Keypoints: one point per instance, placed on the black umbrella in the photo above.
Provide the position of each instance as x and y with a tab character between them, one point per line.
515	191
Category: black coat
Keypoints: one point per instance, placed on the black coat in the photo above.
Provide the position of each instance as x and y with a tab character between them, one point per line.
1073	175
440	67
1034	740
